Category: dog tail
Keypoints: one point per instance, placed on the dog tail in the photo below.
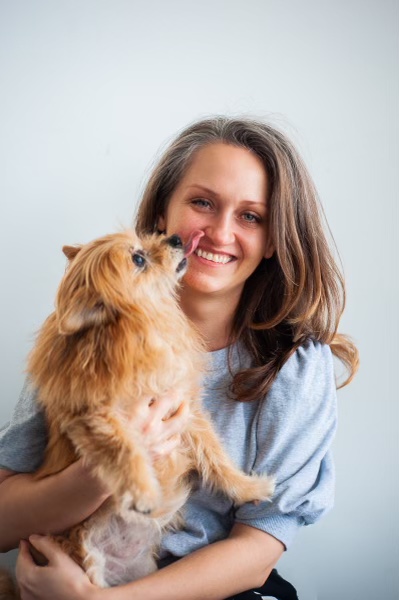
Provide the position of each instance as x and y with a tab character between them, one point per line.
8	588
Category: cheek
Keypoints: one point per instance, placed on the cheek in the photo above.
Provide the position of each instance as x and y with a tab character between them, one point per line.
181	222
257	249
172	221
183	231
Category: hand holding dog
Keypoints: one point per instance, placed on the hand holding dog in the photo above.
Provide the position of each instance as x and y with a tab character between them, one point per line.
62	578
163	425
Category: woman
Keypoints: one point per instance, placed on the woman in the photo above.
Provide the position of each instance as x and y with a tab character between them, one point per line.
265	293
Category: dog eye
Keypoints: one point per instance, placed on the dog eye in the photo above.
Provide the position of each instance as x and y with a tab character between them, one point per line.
138	260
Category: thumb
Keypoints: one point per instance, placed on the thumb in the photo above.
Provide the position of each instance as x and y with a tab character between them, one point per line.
24	551
44	550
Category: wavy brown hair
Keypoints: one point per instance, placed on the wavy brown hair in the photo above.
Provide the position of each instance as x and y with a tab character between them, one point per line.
296	295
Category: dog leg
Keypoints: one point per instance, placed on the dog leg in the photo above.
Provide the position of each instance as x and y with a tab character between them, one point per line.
121	463
218	470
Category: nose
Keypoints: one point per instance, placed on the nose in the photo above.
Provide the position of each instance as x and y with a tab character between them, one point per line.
221	229
175	241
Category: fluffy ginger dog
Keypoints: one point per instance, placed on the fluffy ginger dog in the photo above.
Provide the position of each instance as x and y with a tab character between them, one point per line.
118	338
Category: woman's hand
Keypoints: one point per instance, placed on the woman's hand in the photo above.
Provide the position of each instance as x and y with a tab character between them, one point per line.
56	503
165	419
61	579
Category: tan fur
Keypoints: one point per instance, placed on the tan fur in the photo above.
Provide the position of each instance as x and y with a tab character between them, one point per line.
116	339
8	589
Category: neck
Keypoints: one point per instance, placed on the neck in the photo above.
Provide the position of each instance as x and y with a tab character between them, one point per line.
211	316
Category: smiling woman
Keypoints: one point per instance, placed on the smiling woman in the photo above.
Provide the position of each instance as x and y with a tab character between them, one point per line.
297	291
263	290
224	194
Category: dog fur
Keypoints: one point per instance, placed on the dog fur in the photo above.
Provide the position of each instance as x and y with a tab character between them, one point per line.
116	339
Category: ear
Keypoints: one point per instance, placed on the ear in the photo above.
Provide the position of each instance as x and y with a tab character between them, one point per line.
269	250
77	315
161	225
71	251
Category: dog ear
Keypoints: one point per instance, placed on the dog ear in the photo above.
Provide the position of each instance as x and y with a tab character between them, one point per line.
71	251
77	315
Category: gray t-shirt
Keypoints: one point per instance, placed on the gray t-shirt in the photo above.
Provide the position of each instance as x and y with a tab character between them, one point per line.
288	434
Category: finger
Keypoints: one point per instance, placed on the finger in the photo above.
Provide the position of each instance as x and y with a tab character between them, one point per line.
161	408
176	423
47	548
159	431
25	564
24	556
182	412
166	447
37	556
155	412
159	412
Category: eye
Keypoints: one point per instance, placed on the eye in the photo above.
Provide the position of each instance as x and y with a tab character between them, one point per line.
251	218
138	259
201	203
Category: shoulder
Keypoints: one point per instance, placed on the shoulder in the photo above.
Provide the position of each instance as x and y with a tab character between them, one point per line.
310	368
304	390
311	356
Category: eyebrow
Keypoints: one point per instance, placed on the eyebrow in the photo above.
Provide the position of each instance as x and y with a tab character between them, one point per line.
211	192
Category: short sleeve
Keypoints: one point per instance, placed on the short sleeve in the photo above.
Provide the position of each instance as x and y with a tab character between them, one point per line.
295	428
23	439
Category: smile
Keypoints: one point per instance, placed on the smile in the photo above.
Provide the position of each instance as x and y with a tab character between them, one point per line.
217	258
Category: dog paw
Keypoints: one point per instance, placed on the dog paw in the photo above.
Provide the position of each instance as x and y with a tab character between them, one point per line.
255	489
144	501
145	506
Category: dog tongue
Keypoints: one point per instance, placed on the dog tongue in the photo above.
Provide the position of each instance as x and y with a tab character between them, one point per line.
192	242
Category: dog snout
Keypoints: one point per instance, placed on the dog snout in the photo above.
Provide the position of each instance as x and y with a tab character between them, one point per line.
175	241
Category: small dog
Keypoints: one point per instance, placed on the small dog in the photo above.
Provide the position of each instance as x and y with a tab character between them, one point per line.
118	338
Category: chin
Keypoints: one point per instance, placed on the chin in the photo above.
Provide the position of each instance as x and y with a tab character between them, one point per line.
203	284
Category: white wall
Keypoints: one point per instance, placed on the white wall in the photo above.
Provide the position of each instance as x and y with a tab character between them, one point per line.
91	89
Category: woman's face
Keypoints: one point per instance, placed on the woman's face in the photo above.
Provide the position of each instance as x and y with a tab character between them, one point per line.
223	194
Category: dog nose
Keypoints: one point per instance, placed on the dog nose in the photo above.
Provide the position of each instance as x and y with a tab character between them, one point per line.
175	241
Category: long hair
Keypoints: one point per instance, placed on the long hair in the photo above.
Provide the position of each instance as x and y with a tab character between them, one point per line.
296	295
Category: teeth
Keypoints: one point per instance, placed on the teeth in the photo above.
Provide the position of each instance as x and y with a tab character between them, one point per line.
217	258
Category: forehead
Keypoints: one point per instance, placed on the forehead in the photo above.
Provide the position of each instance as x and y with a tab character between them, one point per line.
227	169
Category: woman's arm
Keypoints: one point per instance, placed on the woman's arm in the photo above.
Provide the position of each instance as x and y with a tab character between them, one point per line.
57	502
48	505
242	561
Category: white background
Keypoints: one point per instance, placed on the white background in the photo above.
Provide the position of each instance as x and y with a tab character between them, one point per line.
91	90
